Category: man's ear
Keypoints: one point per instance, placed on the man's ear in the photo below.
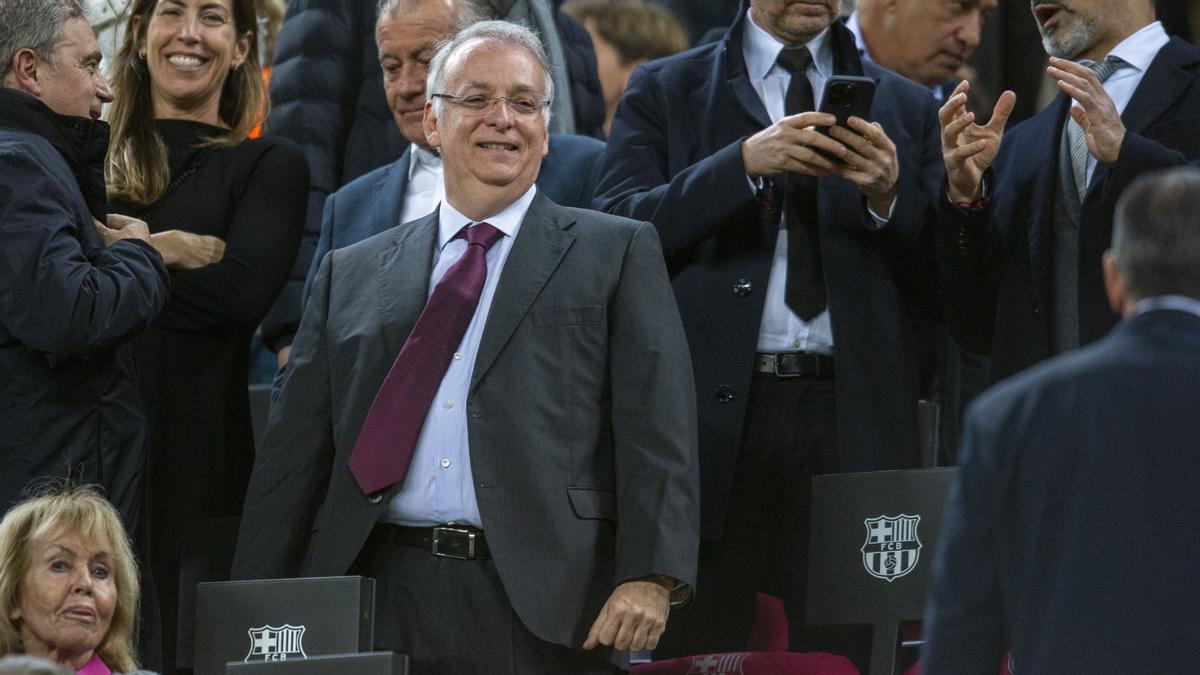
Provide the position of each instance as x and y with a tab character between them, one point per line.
1114	284
429	122
24	74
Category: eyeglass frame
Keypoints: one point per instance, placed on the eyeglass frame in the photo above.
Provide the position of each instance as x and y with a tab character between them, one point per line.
491	103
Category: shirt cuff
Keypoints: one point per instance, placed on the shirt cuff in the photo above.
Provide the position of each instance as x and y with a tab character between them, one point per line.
878	221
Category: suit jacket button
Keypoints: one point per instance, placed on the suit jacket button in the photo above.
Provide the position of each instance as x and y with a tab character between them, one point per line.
724	393
742	288
375	497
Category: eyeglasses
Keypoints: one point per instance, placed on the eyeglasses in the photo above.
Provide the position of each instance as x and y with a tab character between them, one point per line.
474	105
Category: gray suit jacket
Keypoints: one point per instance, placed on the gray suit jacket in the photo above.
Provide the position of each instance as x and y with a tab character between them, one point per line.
581	416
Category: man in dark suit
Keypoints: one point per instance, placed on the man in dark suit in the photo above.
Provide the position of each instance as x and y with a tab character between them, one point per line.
1025	222
701	146
411	186
1070	536
549	437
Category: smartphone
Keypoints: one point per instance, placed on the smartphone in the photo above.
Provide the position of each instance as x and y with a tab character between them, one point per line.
846	96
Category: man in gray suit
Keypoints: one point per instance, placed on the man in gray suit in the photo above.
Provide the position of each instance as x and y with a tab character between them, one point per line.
528	493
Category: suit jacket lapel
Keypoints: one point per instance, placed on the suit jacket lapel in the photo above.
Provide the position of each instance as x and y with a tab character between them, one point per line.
1165	81
1044	131
540	245
404	270
735	74
390	203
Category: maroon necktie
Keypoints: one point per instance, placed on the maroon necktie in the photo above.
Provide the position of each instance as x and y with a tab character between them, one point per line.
389	434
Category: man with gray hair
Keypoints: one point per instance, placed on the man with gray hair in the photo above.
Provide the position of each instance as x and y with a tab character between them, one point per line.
1070	536
407	33
490	409
75	283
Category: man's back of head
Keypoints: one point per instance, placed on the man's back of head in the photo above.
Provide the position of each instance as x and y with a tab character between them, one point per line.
1156	237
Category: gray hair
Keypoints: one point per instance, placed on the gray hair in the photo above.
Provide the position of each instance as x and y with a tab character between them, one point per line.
36	25
1156	234
514	34
466	12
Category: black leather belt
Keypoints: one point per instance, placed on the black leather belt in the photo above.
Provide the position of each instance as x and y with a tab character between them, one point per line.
462	542
795	364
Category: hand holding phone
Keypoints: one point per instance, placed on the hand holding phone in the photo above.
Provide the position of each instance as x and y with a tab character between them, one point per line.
846	96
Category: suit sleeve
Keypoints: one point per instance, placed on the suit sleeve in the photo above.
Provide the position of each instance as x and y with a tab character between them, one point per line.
57	297
292	468
654	421
964	620
638	180
260	246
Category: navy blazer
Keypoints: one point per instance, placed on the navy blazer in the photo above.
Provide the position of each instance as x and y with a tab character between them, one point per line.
997	264
674	158
1071	533
373	202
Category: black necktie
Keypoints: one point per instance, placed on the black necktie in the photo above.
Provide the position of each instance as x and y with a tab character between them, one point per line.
804	292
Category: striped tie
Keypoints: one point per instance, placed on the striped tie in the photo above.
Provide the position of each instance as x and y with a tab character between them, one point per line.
1076	138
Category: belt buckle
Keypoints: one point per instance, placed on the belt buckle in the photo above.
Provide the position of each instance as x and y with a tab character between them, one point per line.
795	370
452	536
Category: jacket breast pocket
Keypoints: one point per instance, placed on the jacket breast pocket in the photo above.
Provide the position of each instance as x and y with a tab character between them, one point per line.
593	503
583	315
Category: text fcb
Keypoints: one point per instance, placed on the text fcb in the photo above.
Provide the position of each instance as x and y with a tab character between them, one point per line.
892	547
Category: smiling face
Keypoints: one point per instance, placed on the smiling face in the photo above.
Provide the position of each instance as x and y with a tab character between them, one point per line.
794	22
929	40
191	46
73	83
406	44
490	159
67	598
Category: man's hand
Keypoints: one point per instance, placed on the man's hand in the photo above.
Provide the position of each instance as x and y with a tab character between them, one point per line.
184	250
968	149
282	356
121	227
1094	109
633	618
790	145
870	162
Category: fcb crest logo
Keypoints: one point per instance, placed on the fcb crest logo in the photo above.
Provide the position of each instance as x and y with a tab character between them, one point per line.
892	546
276	643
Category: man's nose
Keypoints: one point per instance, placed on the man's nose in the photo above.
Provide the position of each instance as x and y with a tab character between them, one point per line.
970	29
103	90
499	113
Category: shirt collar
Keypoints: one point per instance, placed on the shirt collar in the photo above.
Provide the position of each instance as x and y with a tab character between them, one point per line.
423	159
508	220
1139	49
1177	302
760	50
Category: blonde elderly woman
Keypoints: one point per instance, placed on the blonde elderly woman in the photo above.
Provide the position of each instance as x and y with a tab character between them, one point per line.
68	582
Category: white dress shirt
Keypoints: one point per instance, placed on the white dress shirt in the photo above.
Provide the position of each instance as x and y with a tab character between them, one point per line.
426	186
1181	303
781	330
439	487
1137	50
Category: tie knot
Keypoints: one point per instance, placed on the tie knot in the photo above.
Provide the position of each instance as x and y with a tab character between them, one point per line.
1105	67
794	59
481	233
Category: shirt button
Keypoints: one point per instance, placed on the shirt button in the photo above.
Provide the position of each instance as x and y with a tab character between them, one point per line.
445	463
796	344
457	356
448	405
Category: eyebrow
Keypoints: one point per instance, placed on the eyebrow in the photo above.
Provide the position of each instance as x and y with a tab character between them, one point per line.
518	89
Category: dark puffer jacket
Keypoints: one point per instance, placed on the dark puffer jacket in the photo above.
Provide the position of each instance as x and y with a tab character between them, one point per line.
69	406
327	96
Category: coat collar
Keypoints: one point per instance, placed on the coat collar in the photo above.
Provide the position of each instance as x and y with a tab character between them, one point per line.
82	142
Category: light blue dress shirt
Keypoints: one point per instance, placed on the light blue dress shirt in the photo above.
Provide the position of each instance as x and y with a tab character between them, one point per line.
439	487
